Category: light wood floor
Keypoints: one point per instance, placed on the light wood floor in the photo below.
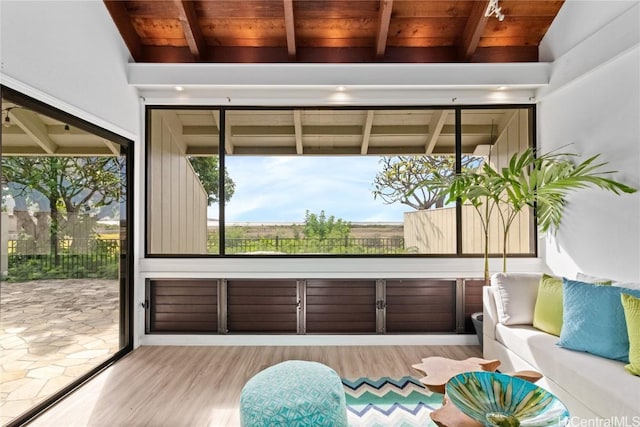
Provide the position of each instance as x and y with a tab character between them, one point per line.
200	386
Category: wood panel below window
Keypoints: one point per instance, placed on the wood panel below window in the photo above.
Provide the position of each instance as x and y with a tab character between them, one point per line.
262	306
421	306
341	306
183	306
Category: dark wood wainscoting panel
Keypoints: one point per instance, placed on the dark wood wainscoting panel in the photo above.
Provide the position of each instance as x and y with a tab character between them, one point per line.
472	301
341	306
262	306
421	305
183	306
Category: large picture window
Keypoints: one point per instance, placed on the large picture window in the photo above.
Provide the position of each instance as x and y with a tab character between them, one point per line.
323	182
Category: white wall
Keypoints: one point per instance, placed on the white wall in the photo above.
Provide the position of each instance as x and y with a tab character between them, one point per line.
69	54
576	21
593	102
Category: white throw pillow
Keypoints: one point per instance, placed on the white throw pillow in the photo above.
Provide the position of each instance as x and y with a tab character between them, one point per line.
628	285
516	295
586	278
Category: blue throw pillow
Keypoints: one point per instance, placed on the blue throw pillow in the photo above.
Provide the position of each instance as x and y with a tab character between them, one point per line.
593	319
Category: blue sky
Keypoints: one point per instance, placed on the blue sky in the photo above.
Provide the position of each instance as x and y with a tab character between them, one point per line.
282	188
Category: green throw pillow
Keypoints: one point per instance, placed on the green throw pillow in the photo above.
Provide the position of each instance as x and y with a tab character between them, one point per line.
631	307
547	313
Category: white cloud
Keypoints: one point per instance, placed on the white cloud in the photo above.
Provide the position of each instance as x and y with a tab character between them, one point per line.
282	188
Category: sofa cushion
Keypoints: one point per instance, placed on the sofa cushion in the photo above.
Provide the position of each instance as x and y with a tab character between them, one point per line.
515	295
518	338
600	384
547	313
594	320
631	306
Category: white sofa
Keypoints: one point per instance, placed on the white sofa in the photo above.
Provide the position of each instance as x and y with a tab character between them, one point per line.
590	386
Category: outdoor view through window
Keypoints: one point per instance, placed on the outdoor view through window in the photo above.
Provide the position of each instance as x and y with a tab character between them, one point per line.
322	181
63	216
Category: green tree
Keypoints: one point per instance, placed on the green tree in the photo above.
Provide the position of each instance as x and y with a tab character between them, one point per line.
72	189
208	170
406	179
320	227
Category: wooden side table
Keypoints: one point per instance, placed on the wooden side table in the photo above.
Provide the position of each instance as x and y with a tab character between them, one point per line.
439	370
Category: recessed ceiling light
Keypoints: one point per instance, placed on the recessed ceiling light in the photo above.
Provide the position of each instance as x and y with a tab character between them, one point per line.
502	88
179	88
341	88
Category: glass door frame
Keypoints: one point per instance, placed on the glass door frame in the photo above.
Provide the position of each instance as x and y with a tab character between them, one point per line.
126	282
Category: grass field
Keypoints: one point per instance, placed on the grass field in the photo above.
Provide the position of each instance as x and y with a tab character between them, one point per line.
358	231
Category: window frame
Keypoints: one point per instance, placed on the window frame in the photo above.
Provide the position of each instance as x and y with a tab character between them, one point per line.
458	110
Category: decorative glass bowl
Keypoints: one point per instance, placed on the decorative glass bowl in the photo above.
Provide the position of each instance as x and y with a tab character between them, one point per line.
501	400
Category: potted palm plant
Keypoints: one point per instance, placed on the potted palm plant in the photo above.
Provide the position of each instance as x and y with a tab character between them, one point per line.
542	182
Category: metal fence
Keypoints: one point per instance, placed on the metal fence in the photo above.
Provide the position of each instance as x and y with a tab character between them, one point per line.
370	245
74	259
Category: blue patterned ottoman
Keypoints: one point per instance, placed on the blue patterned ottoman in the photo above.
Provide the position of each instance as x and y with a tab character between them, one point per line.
294	393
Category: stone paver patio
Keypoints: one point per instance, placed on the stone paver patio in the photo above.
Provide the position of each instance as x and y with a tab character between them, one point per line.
52	332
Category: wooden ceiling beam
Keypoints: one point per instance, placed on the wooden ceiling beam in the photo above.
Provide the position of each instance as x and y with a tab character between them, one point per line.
473	30
118	11
199	151
435	129
384	19
112	146
337	151
191	28
366	132
32	151
31	124
297	124
229	148
289	25
330	31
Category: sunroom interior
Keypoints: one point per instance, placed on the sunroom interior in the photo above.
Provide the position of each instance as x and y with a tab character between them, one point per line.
287	98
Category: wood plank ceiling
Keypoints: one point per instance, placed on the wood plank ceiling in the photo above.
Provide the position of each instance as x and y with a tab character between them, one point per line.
28	133
334	132
331	31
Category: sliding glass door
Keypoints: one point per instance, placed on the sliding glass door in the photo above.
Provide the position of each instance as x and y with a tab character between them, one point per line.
65	267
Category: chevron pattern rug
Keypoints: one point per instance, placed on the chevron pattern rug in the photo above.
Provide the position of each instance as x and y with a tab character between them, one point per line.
386	402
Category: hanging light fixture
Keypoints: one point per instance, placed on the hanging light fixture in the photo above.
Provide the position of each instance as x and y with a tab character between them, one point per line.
67	128
7	120
494	9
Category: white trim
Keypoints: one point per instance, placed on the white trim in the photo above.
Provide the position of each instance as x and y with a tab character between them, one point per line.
316	84
328	268
139	230
308	340
393	76
25	89
355	96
